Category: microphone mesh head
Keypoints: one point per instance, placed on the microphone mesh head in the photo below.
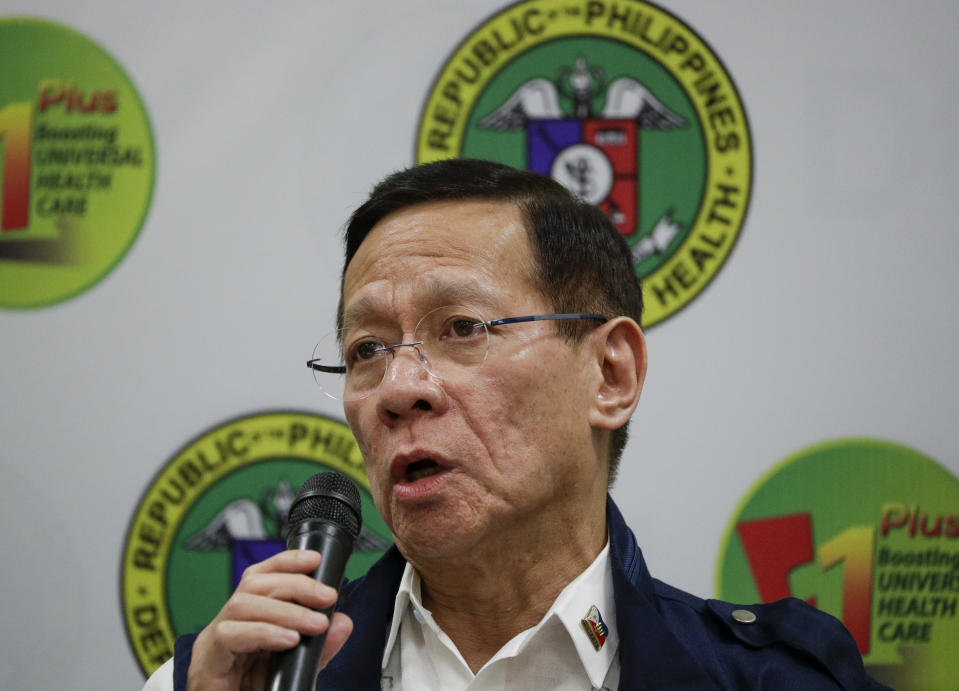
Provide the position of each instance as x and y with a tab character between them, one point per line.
328	497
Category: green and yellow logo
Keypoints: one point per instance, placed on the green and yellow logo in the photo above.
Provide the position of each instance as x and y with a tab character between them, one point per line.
76	160
868	531
217	506
626	106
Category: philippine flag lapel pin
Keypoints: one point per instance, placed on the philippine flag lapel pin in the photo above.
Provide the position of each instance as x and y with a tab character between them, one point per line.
595	627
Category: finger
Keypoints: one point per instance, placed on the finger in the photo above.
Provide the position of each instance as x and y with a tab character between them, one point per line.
290	587
247	607
340	629
241	637
220	648
288	561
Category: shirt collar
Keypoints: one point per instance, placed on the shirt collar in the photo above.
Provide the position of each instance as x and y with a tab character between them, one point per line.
592	588
400	604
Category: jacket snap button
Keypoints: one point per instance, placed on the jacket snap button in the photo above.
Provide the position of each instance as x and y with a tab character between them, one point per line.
743	616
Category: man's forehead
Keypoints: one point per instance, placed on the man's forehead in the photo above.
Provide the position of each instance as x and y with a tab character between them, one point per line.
447	228
482	242
427	294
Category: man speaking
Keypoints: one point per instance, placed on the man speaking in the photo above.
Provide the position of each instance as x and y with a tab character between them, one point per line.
489	332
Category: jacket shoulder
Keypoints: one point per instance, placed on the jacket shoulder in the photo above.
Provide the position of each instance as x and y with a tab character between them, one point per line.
786	644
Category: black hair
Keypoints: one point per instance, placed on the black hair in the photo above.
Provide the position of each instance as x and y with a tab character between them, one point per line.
582	262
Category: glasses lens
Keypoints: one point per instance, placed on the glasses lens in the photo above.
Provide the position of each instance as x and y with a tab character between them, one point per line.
348	366
453	337
327	354
447	339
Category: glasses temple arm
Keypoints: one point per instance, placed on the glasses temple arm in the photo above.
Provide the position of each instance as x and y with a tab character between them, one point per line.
330	369
543	317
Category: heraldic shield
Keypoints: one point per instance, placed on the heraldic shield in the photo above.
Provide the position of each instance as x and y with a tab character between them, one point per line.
596	158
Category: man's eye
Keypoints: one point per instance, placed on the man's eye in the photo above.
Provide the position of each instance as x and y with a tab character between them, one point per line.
463	328
365	350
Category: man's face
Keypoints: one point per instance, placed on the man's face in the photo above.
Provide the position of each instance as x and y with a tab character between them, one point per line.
502	447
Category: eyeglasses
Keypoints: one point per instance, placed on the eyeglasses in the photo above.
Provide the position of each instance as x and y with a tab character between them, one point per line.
349	365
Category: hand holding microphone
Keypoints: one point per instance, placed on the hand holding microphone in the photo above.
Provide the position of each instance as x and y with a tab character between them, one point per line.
285	601
325	517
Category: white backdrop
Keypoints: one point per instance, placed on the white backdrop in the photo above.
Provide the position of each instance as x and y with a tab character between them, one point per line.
834	316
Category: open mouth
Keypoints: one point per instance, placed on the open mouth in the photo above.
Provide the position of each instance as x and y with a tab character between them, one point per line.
421	468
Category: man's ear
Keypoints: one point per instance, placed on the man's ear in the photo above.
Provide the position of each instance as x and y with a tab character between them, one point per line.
621	352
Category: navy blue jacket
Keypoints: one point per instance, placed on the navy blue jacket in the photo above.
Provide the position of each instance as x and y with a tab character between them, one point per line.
668	639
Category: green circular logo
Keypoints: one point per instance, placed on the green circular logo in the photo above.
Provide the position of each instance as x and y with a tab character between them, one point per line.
76	159
868	531
219	505
626	106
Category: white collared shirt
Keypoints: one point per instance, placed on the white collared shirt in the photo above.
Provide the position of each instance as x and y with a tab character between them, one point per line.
556	654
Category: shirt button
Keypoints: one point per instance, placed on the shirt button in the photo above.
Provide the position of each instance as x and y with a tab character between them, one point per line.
743	616
417	615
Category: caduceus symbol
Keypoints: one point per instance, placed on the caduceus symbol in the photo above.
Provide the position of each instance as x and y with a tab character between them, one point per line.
579	171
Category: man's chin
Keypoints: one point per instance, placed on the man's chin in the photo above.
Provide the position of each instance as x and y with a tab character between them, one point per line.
428	537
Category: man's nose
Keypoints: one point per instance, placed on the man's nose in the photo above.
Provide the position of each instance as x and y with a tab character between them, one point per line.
410	384
407	360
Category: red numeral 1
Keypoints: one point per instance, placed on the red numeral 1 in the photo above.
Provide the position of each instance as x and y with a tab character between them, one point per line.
15	197
776	546
854	546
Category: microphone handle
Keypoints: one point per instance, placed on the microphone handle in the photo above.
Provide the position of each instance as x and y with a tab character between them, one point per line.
296	669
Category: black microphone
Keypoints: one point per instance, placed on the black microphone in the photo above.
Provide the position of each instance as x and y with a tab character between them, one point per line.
324	517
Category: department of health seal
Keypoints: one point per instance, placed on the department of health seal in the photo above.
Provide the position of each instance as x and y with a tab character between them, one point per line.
217	506
626	106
